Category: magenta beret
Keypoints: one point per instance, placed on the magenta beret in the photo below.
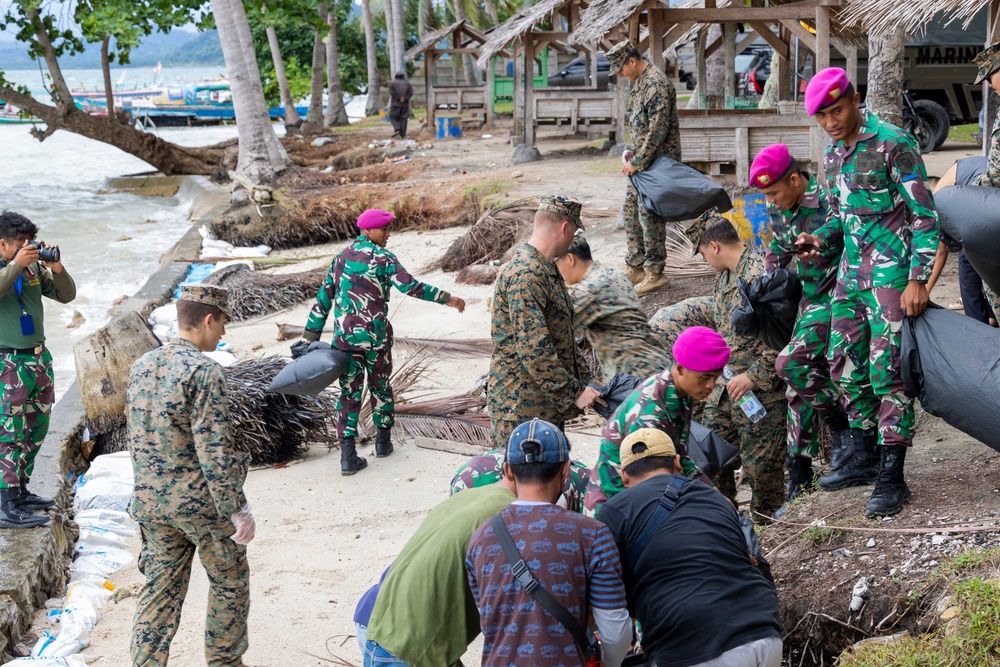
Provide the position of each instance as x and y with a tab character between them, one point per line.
374	218
770	165
701	350
825	88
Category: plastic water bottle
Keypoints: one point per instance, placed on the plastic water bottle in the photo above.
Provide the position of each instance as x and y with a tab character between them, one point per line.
750	405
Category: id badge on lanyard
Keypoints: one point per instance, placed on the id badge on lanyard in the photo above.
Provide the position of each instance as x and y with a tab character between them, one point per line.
27	324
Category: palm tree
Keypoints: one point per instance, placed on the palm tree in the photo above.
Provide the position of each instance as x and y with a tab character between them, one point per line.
336	114
291	115
261	156
390	39
464	62
885	75
313	123
397	34
374	97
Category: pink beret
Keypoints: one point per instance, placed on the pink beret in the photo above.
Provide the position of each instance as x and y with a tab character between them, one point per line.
701	350
770	165
374	218
825	88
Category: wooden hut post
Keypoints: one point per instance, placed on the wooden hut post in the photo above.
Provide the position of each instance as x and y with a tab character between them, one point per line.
655	21
729	45
529	90
430	56
489	116
852	63
593	65
702	75
518	91
822	38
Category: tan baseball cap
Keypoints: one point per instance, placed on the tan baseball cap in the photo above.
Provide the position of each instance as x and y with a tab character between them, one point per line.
644	443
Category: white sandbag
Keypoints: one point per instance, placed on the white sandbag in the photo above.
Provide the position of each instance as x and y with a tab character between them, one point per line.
84	597
235	262
107	484
222	357
68	661
164	315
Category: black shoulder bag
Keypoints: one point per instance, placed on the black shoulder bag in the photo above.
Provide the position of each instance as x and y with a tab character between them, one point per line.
667	502
585	639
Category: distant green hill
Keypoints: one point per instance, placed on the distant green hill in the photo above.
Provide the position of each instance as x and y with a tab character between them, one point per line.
175	49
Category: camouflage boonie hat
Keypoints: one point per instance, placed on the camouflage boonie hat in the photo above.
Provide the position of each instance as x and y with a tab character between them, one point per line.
562	206
701	225
208	295
988	61
618	55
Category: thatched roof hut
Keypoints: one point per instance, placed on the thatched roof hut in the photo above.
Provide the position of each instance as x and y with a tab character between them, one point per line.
467	38
519	24
878	16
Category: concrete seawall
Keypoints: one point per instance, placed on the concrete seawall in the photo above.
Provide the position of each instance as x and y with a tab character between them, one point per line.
33	562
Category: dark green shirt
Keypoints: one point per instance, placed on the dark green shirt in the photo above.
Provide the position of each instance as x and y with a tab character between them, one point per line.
36	282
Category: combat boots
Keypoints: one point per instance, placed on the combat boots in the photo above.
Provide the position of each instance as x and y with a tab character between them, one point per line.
862	468
842	445
383	443
12	516
29	501
653	282
800	480
350	462
890	490
635	274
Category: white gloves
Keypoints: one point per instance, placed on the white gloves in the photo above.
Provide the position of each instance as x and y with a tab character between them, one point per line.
245	526
627	156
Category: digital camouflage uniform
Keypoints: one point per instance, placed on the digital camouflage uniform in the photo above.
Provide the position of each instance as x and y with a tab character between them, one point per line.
991	178
654	131
357	290
487	469
26	380
803	364
188	486
654	404
883	214
607	308
535	369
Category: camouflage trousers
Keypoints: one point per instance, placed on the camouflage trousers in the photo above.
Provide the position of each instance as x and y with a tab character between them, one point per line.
376	365
762	452
167	552
26	383
865	341
645	233
804	367
993	299
668	322
487	469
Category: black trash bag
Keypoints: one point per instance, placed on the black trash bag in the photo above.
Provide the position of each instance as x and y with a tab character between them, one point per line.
951	363
314	367
710	452
970	214
674	191
614	392
753	547
969	169
770	306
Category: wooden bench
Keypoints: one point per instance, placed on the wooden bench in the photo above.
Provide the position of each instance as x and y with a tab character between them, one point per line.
577	110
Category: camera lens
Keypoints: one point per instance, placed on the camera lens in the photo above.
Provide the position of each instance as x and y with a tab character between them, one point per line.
48	254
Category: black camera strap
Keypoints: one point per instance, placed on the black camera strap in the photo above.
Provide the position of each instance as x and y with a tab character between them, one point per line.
585	640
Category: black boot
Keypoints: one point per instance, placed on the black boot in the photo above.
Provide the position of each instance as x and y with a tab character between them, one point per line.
800	480
890	490
27	500
12	516
861	469
350	462
842	446
383	443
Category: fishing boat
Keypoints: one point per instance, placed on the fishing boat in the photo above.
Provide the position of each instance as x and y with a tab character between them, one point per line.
10	114
200	104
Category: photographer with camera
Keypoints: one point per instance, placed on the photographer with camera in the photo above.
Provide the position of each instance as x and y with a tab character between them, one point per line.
29	270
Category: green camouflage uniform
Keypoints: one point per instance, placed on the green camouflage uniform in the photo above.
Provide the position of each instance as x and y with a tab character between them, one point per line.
760	444
26	380
487	469
607	308
883	213
357	290
654	404
654	130
803	363
535	369
188	485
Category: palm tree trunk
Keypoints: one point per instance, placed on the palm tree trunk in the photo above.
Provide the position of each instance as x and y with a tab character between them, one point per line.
336	114
885	76
291	115
314	117
425	18
491	12
390	36
397	21
261	155
109	94
464	63
374	97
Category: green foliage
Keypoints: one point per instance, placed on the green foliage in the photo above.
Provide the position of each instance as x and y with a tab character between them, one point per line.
973	559
822	534
128	21
963	133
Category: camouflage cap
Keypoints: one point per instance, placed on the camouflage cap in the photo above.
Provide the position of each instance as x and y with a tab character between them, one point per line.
209	295
562	206
988	61
618	55
701	225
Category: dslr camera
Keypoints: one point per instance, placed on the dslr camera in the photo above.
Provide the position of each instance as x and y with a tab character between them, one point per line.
45	254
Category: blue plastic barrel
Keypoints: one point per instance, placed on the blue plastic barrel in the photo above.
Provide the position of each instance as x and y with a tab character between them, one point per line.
449	126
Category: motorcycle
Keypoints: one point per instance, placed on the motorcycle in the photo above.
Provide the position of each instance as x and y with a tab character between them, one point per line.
926	120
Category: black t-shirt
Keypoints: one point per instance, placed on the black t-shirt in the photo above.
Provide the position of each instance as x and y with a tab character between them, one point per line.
695	591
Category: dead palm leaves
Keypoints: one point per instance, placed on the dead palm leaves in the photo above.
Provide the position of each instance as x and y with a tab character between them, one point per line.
252	293
494	233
